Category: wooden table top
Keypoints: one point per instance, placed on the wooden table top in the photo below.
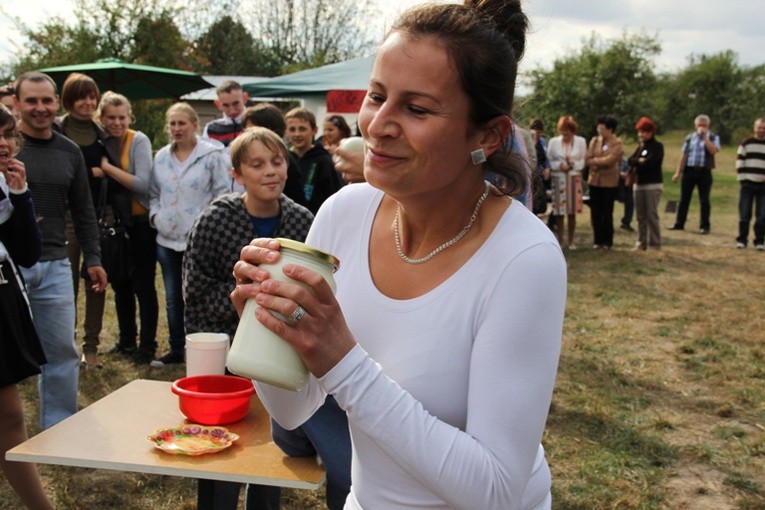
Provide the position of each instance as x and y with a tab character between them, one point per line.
111	434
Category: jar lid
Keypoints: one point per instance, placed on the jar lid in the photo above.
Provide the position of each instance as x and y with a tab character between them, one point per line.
309	250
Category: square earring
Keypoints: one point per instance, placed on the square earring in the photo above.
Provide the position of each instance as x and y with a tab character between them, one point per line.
478	156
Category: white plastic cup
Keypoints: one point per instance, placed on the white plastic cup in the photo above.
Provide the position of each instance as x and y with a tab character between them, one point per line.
206	353
257	352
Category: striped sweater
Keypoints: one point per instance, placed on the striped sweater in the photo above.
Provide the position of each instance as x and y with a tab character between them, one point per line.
750	160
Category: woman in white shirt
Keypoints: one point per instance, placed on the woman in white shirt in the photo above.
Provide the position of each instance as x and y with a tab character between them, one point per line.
566	156
443	340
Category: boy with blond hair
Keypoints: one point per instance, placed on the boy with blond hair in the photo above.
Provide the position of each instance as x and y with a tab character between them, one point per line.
320	180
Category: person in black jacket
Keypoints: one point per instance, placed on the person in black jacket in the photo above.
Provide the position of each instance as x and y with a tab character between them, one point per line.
79	97
645	164
21	353
320	180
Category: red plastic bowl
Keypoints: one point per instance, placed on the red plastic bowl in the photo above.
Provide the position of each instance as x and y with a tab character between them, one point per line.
214	399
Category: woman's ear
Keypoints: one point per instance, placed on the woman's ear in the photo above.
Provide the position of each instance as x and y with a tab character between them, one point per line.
495	132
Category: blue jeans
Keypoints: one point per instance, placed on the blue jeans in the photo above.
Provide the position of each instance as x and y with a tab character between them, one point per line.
51	297
170	261
326	434
751	192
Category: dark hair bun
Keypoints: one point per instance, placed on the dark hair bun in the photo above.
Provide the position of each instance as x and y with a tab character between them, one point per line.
508	17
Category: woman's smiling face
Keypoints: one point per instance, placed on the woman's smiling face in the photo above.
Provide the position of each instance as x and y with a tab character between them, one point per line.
84	108
416	118
115	119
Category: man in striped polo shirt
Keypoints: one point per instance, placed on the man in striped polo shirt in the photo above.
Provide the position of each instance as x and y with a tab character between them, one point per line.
750	168
231	102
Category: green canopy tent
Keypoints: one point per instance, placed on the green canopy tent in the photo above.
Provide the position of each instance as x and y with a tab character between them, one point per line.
349	75
132	80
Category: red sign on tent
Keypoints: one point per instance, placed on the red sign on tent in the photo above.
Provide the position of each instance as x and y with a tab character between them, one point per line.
345	101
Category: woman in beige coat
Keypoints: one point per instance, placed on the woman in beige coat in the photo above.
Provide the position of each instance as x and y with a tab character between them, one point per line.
603	158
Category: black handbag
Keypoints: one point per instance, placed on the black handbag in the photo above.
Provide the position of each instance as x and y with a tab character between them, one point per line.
116	253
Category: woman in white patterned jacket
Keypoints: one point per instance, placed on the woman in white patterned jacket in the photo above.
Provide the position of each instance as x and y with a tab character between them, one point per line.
188	174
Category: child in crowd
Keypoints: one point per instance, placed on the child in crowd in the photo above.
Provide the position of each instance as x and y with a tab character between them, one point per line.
259	160
320	180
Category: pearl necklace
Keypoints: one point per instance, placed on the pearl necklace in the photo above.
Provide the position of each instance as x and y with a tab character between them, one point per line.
448	243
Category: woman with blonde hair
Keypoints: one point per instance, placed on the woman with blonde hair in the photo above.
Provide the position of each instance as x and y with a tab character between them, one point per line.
188	174
133	171
442	342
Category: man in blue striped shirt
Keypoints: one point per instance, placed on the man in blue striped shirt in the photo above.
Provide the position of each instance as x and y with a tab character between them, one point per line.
697	159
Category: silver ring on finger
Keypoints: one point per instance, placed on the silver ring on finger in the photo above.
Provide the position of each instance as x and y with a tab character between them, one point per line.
295	317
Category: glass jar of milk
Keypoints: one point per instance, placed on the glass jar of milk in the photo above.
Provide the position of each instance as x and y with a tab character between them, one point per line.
259	353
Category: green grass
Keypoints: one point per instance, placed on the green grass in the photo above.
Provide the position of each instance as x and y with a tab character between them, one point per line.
659	402
660	396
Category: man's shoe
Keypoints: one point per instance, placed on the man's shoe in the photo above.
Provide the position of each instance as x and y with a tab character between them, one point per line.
703	231
171	358
740	245
140	357
759	247
674	227
627	227
125	350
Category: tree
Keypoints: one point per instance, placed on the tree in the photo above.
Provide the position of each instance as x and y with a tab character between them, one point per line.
228	48
719	87
157	41
197	35
311	33
613	77
140	31
54	43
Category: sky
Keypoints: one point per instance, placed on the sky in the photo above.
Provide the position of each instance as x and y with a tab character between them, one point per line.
558	27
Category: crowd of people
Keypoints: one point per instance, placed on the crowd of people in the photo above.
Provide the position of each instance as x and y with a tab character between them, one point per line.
637	180
436	340
106	174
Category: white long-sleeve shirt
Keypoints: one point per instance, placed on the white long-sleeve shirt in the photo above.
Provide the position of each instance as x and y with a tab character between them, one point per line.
557	153
447	394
